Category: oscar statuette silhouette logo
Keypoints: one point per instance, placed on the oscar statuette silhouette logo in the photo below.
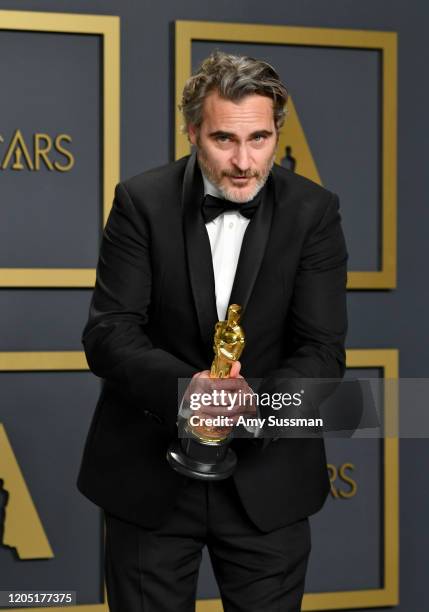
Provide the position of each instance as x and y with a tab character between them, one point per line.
202	450
22	534
4	496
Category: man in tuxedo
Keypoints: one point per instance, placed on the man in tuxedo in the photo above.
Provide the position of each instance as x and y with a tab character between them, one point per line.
182	242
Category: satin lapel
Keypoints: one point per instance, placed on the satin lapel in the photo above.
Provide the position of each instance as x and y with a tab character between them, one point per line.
199	257
253	248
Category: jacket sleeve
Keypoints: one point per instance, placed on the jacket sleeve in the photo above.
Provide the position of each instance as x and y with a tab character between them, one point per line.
317	317
116	344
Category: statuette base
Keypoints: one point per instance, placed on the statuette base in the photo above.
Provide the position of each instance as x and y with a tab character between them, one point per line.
203	461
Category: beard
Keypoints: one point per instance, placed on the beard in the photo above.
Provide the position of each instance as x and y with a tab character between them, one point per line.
233	194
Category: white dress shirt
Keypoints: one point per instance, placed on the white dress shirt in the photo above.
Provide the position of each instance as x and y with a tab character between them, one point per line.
226	234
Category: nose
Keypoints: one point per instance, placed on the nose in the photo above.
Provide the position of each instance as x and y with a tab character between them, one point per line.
241	158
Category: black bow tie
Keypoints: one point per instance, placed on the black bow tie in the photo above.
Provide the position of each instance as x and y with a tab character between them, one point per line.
213	207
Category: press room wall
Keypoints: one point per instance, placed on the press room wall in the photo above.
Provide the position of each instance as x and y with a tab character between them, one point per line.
53	319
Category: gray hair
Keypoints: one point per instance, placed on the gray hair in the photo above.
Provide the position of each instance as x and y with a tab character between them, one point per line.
233	77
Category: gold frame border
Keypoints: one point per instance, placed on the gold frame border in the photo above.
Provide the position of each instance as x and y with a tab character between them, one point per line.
107	26
388	360
386	42
49	361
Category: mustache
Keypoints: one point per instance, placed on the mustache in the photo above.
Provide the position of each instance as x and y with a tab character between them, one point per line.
245	174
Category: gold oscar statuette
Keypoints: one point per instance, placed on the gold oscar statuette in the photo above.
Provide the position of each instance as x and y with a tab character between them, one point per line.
203	452
228	344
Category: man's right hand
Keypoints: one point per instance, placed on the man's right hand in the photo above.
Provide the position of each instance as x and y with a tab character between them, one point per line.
236	399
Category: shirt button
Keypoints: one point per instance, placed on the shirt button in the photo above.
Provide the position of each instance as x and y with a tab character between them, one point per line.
231	225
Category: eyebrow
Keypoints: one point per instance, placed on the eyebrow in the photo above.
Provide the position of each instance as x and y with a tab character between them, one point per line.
231	134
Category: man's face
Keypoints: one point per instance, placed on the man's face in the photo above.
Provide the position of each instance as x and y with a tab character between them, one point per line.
236	144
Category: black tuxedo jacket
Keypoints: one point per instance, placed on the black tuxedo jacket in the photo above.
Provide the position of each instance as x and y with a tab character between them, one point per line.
152	320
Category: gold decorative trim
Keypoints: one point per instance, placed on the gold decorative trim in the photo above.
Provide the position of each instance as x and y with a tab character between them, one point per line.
388	361
108	27
385	42
49	361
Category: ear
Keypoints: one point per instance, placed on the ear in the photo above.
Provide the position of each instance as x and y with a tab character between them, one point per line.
192	133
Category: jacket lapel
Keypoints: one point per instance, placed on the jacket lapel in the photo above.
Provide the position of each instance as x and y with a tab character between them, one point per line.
199	257
253	248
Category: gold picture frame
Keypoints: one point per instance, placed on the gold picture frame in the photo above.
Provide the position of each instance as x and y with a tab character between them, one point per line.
384	42
49	361
385	359
108	27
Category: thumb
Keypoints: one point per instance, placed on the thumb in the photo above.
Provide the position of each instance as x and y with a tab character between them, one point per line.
235	369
